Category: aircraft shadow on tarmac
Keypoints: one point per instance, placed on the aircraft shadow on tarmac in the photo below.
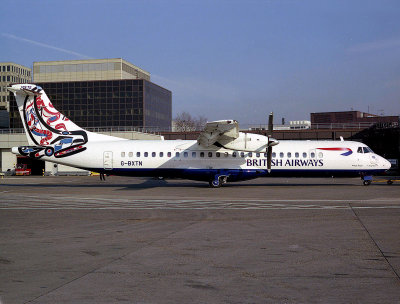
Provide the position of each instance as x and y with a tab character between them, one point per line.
155	183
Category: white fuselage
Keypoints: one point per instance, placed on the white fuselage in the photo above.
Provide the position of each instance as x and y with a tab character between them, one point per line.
168	158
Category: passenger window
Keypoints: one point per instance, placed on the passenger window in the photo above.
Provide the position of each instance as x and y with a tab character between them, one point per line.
304	155
146	154
233	154
193	154
226	154
153	154
122	154
281	155
201	154
312	155
137	154
273	154
359	150
185	154
250	154
241	154
130	154
177	154
257	154
320	155
161	154
217	154
209	154
289	154
169	154
297	155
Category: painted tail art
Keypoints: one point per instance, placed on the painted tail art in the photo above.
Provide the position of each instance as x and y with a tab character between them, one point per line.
49	132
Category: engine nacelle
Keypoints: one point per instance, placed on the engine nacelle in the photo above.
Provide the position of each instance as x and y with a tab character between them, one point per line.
248	142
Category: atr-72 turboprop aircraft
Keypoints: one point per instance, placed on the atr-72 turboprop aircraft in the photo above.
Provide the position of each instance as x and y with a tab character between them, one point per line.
221	153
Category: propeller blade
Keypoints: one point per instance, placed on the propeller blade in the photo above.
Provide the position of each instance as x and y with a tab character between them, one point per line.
270	124
269	159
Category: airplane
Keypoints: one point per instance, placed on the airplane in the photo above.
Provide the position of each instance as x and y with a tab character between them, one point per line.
221	153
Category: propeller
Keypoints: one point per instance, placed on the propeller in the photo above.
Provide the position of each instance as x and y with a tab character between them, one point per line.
271	141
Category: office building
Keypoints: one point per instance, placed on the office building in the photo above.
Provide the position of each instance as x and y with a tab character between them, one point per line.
91	69
108	103
350	117
11	73
102	93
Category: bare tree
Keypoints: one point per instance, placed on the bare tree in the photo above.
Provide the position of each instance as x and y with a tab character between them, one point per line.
184	122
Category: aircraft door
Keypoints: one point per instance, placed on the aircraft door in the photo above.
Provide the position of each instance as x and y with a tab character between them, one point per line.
108	160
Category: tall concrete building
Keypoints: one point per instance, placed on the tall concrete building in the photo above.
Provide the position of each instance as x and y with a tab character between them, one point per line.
102	93
92	69
11	73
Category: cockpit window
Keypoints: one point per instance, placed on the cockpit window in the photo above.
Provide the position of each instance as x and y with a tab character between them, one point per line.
367	150
360	150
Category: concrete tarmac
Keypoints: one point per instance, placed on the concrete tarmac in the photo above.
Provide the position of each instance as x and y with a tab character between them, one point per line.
136	240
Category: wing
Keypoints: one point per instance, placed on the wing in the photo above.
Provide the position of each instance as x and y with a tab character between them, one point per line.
221	130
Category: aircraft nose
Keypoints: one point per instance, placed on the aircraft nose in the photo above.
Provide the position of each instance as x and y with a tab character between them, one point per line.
387	164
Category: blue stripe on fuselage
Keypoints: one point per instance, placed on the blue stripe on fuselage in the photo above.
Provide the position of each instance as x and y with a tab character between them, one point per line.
234	174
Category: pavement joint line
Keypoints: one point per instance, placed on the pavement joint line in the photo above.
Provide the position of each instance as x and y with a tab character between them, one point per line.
376	245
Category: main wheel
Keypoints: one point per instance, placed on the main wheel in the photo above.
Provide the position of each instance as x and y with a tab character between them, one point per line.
389	182
215	183
367	182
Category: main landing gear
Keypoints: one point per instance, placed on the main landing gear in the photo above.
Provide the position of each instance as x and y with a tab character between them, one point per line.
218	181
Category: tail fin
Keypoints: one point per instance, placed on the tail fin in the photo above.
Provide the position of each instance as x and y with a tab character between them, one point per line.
46	127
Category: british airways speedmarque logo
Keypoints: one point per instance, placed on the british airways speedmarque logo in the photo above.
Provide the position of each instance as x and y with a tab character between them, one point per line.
347	153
